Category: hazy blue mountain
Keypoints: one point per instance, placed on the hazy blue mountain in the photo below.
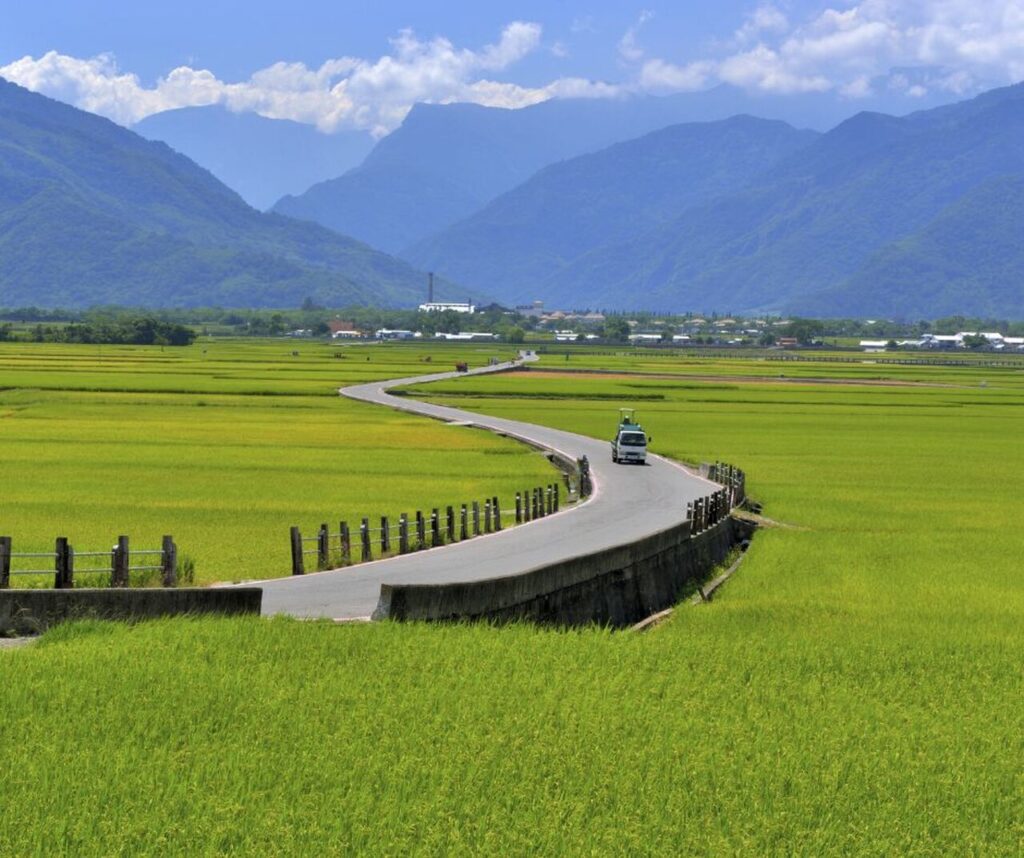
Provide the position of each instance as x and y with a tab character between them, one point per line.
969	256
447	161
93	213
810	224
262	159
528	234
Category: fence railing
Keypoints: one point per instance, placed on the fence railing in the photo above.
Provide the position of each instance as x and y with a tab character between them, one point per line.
117	562
730	476
704	513
456	523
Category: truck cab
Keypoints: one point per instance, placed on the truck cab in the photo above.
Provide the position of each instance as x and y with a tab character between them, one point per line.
630	441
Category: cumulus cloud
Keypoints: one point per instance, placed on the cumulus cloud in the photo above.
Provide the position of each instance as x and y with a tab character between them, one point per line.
343	92
765	19
965	45
629	47
853	49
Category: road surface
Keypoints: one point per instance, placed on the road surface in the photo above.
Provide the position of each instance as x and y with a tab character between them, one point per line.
628	502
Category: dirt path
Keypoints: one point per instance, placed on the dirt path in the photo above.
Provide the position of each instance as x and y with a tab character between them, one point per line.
740	379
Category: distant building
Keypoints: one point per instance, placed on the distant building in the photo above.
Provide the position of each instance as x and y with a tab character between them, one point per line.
787	342
466	336
533	310
389	334
874	345
565	336
341	330
442	306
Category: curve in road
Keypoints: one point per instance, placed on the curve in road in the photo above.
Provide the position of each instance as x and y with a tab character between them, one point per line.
627	504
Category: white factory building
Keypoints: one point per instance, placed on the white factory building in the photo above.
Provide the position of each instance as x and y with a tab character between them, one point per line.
441	306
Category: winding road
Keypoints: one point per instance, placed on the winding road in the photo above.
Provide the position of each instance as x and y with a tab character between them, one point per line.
628	503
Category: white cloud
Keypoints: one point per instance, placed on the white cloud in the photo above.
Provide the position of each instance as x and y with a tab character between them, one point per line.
765	19
966	45
343	92
852	49
629	49
658	75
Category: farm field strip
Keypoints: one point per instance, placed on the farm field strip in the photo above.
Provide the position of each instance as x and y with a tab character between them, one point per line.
226	472
854	689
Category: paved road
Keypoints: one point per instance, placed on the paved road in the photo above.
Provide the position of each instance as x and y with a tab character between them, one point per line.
629	502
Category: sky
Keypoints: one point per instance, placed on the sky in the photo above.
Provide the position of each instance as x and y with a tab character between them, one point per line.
343	65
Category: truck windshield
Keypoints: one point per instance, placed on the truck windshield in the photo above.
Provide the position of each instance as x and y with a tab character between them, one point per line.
635	439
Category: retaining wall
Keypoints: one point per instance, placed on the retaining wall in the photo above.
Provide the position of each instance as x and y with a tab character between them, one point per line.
616	587
33	611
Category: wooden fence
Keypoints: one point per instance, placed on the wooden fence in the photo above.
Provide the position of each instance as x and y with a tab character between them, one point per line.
734	479
419	532
704	513
118	562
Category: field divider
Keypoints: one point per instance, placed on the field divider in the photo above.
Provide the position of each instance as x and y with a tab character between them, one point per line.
64	558
420	531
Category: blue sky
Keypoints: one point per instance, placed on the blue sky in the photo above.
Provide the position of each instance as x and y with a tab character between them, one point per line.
362	64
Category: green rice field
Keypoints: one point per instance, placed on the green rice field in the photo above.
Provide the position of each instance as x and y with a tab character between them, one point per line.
225	445
855	689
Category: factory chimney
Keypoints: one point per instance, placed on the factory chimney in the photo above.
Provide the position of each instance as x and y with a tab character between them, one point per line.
430	287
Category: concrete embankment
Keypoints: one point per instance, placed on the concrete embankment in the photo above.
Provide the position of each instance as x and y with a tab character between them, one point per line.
33	611
616	586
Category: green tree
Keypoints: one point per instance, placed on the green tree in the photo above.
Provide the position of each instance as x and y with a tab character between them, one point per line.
806	331
616	329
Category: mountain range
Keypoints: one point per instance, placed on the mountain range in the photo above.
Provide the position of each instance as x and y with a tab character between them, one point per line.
872	217
93	213
447	161
913	216
531	233
262	159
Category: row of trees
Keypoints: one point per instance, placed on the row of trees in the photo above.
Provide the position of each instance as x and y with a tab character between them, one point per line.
139	331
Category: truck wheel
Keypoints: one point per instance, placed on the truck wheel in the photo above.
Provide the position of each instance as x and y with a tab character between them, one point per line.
615	459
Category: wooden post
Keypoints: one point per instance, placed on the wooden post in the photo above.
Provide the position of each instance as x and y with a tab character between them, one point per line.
169	562
550	499
435	527
403	534
557	488
121	562
385	535
533	505
5	562
450	522
526	506
323	548
298	566
464	523
697	523
346	543
364	539
519	509
421	531
487	516
476	518
64	565
496	512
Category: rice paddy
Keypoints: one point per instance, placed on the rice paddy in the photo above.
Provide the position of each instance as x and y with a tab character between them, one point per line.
225	445
854	689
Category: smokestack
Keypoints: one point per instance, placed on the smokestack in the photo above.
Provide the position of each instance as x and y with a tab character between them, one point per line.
430	287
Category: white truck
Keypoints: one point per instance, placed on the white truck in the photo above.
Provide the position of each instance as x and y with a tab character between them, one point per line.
630	441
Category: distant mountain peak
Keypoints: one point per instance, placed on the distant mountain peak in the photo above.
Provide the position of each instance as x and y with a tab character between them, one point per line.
93	213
